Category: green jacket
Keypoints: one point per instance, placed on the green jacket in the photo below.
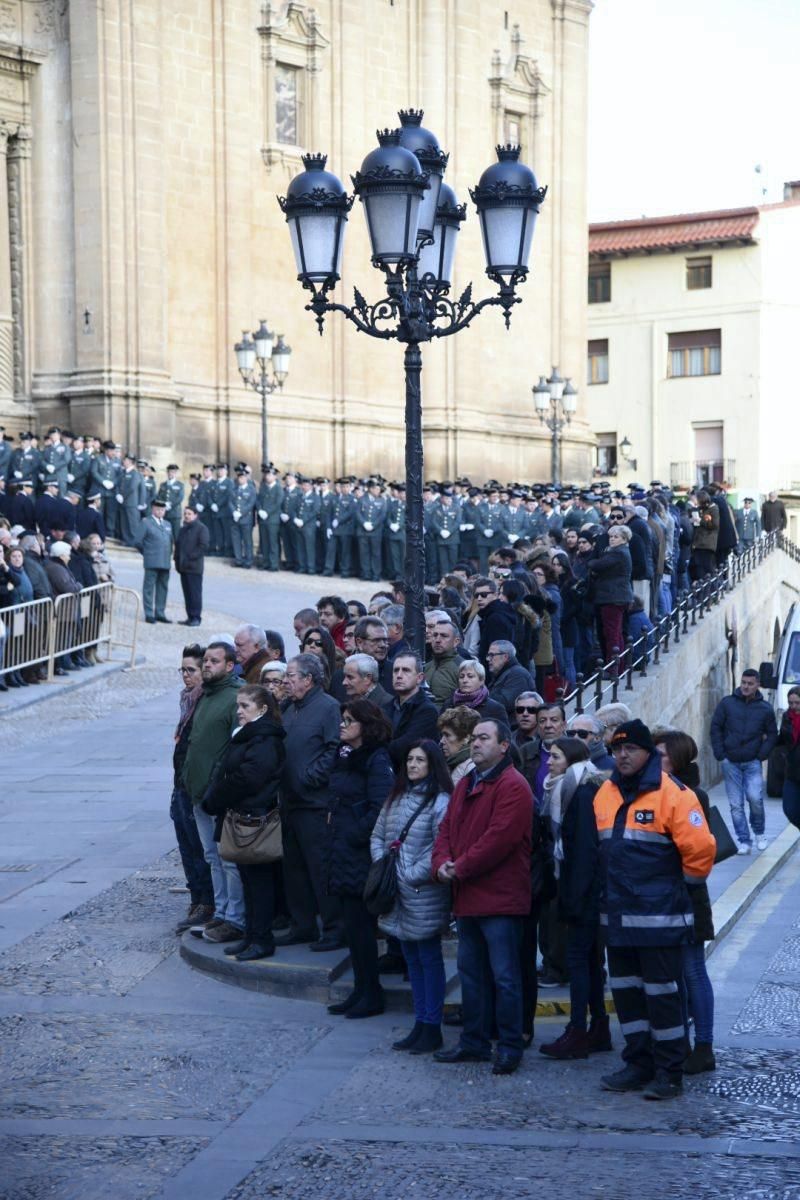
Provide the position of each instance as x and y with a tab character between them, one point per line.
442	676
212	725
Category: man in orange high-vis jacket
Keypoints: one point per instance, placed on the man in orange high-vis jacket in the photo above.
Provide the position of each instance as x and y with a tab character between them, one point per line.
655	844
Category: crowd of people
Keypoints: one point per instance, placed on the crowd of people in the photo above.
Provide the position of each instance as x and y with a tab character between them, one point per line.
584	842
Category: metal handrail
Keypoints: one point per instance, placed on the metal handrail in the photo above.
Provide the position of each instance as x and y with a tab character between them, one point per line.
603	685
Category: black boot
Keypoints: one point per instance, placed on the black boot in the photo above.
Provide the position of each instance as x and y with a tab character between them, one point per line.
411	1039
370	1005
700	1059
255	951
344	1006
429	1040
236	947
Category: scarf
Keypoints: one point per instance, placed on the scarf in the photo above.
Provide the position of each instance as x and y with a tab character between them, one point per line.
188	702
471	699
558	793
794	725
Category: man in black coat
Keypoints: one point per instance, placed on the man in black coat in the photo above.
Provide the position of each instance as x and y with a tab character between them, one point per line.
191	548
728	538
412	712
52	511
497	619
22	510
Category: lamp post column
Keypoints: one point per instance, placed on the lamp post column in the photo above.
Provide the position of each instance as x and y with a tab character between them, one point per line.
555	452
264	390
415	537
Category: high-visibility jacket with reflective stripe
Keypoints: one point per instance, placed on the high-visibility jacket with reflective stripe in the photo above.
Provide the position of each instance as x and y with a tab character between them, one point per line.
653	847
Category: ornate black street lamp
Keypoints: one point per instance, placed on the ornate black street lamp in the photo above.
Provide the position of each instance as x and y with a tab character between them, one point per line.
272	358
556	401
413	220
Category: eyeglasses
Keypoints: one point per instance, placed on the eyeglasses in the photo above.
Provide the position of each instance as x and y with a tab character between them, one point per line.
525	708
495	654
376	641
187	670
583	734
481	595
315	642
347	722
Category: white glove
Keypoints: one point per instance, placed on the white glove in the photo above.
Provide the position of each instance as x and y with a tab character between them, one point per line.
299	522
50	468
394	527
262	515
335	522
119	497
199	507
513	537
18	474
141	507
108	483
237	516
284	516
488	533
70	478
329	533
215	508
445	533
369	526
463	528
467	526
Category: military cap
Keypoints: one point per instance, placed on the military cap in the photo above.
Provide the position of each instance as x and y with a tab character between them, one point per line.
53	429
208	466
222	466
26	436
94	496
194	475
26	483
155	502
173	467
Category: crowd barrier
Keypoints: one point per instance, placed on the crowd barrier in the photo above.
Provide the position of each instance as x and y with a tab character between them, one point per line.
604	684
102	618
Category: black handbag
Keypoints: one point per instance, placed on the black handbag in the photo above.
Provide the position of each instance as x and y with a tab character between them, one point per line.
380	890
726	846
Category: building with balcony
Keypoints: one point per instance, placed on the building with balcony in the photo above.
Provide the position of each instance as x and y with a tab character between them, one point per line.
690	356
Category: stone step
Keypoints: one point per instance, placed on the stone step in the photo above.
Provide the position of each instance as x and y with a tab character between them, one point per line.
293	971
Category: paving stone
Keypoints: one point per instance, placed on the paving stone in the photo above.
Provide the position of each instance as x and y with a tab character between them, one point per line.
75	1168
772	1008
753	1094
358	1170
142	1068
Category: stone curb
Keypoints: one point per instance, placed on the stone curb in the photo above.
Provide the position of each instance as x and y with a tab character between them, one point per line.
302	978
50	691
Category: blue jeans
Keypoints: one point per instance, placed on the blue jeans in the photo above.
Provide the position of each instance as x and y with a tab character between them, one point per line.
426	973
195	867
584	963
568	666
225	877
791	801
745	781
699	989
491	983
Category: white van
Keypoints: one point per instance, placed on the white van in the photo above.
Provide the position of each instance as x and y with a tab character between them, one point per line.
776	678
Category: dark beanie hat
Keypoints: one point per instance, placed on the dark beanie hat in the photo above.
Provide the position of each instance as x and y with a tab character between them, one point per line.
633	733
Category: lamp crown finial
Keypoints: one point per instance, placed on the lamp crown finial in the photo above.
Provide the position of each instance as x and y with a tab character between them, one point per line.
508	153
411	116
314	162
388	137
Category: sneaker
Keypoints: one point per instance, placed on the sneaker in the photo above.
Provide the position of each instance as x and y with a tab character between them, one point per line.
761	842
549	979
224	932
198	930
744	848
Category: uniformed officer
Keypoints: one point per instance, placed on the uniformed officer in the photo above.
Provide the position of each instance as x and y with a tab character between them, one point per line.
242	507
515	518
55	460
25	461
269	502
5	453
326	499
221	519
445	523
342	531
149	480
471	526
305	522
132	500
52	511
172	493
394	532
105	473
80	466
203	500
155	543
292	497
90	519
22	509
491	534
430	498
370	519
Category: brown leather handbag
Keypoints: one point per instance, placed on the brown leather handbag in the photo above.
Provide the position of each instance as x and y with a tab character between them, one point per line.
251	841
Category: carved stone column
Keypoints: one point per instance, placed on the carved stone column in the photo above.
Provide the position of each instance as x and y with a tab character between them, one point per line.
19	257
6	316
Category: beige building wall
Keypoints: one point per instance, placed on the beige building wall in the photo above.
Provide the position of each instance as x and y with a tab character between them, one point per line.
754	301
154	235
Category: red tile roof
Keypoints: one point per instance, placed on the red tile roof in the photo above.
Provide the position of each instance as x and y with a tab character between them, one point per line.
653	234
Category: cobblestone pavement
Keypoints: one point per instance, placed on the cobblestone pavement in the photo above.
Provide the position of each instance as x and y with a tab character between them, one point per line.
125	1075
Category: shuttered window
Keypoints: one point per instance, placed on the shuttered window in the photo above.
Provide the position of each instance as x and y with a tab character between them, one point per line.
694	353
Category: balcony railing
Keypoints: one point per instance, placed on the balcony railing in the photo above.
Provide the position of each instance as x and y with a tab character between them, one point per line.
701	471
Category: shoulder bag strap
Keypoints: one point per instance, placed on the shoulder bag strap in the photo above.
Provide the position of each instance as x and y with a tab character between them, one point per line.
410	822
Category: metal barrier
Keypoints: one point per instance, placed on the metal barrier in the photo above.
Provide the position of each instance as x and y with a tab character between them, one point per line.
41	632
603	686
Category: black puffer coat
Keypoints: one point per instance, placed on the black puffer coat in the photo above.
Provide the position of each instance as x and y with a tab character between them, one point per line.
703	929
250	776
743	730
791	749
610	576
359	784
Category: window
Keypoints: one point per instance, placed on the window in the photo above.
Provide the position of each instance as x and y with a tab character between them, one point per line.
287	105
599	283
698	353
606	454
698	272
512	126
597	371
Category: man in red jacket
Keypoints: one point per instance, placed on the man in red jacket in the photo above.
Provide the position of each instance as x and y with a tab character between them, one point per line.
483	850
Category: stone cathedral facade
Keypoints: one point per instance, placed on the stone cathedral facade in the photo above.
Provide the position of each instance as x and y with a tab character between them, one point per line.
144	143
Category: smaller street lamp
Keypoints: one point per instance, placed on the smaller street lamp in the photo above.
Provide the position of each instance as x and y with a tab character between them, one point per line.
556	402
271	358
626	450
